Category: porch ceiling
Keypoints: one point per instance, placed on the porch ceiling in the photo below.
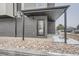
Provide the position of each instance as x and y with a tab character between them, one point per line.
53	13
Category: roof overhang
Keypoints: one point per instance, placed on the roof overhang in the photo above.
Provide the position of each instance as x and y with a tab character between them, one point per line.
5	16
53	13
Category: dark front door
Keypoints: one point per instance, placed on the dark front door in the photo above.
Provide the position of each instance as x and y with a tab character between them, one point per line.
40	27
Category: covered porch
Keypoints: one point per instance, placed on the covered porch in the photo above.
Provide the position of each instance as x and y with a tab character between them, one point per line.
52	14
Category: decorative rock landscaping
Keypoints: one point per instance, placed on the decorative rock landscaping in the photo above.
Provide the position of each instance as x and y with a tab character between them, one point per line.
42	44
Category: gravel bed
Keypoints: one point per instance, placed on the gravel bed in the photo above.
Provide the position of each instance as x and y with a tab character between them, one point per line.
43	44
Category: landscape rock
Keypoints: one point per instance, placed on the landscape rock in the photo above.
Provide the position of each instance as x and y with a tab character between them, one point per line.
43	44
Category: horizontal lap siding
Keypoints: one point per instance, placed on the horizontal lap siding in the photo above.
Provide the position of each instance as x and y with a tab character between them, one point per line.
30	27
19	27
51	27
7	27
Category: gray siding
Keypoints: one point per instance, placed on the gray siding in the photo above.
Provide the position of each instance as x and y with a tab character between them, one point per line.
30	27
19	27
7	27
6	9
28	6
49	5
2	9
51	27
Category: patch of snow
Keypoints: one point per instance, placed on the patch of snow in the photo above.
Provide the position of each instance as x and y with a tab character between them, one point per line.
72	41
59	38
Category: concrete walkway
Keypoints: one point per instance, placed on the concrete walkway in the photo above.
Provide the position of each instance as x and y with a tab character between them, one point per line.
28	52
24	52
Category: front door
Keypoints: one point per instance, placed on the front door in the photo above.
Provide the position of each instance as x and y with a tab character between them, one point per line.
40	27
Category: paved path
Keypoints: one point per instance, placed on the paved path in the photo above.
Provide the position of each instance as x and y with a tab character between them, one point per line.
16	53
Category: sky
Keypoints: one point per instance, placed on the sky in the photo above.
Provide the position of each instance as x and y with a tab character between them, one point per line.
72	15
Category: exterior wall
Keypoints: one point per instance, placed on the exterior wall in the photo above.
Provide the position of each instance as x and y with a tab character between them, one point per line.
51	27
31	25
28	6
9	9
62	4
2	8
7	27
15	9
19	27
6	9
49	5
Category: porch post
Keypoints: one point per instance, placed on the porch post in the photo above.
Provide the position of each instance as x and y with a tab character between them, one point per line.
65	27
23	18
15	26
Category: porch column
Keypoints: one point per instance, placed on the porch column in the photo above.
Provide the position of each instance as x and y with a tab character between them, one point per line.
15	26
65	27
23	18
